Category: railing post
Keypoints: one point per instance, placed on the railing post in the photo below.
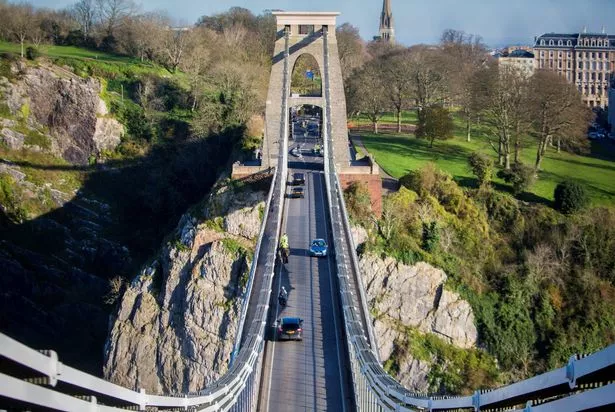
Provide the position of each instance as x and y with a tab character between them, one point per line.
476	401
570	374
142	399
528	407
55	367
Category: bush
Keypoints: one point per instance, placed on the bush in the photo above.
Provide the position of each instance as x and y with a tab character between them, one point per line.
32	53
482	167
521	177
570	197
431	236
358	201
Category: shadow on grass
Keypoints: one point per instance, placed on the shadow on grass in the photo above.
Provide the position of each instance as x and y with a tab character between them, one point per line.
472	183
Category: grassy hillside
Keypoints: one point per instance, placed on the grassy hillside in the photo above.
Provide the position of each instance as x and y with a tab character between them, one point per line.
400	154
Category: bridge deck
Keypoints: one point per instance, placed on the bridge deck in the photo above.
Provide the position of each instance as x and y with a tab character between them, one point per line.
312	374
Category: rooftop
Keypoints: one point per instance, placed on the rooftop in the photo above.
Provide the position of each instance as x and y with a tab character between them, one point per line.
284	18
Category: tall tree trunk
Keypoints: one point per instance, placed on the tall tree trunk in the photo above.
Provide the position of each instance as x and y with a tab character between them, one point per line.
22	48
500	154
399	120
540	152
375	122
559	145
468	128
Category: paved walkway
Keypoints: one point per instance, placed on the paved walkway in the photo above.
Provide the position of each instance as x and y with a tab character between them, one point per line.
389	183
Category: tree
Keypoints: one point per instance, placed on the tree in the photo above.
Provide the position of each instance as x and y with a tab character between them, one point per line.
521	177
84	13
174	44
428	80
570	197
112	12
350	47
437	124
557	112
464	54
502	93
21	23
482	167
367	92
398	76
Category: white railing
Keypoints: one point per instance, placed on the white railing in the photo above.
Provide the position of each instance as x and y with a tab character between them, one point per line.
374	389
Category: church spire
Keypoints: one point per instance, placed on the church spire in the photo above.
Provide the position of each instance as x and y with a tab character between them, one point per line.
387	32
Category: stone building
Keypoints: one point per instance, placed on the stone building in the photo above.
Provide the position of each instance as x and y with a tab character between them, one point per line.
612	106
585	59
386	31
521	59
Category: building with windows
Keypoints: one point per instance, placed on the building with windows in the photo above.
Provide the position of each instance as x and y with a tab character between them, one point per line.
612	106
585	59
518	58
386	31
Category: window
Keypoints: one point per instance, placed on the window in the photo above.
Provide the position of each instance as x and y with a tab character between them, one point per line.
550	64
569	64
560	43
580	89
600	77
599	65
579	76
593	76
542	53
580	65
306	29
599	55
559	64
559	55
592	55
569	43
593	65
551	43
551	54
593	90
542	42
606	43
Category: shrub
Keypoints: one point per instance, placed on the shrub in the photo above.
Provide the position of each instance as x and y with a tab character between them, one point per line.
431	236
570	197
521	177
482	167
358	201
32	53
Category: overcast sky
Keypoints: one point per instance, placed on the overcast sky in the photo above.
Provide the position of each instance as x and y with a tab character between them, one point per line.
499	22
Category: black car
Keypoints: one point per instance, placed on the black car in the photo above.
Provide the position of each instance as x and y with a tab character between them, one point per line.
290	329
296	192
298	179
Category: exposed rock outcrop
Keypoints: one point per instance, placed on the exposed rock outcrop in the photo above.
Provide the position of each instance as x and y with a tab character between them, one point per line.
176	324
414	296
68	106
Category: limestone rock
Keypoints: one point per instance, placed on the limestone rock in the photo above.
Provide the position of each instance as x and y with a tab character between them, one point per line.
14	140
176	324
413	296
359	235
68	106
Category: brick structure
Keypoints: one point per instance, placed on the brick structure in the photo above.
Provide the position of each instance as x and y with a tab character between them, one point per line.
373	184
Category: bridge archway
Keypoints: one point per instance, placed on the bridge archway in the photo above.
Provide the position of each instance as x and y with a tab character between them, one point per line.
306	77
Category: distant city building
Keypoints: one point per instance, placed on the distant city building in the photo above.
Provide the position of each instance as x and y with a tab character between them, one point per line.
584	59
519	58
387	31
511	49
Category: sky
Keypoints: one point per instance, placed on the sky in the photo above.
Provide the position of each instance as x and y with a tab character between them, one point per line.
499	22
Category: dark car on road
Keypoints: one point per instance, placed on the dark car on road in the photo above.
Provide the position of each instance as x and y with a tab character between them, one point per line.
290	329
296	192
298	179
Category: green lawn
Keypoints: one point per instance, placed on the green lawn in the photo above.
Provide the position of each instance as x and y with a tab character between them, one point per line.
399	154
407	117
68	51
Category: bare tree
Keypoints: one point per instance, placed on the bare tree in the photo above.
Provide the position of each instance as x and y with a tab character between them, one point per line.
112	12
21	23
174	45
351	48
557	112
84	13
502	93
428	79
367	92
398	70
464	55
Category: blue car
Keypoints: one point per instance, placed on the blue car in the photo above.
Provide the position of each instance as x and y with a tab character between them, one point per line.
318	247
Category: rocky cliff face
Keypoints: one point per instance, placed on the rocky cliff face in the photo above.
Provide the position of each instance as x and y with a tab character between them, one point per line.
176	324
404	296
66	107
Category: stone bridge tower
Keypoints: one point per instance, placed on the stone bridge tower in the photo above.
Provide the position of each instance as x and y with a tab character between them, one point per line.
306	31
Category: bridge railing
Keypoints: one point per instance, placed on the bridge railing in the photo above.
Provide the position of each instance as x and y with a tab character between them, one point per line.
48	379
375	390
